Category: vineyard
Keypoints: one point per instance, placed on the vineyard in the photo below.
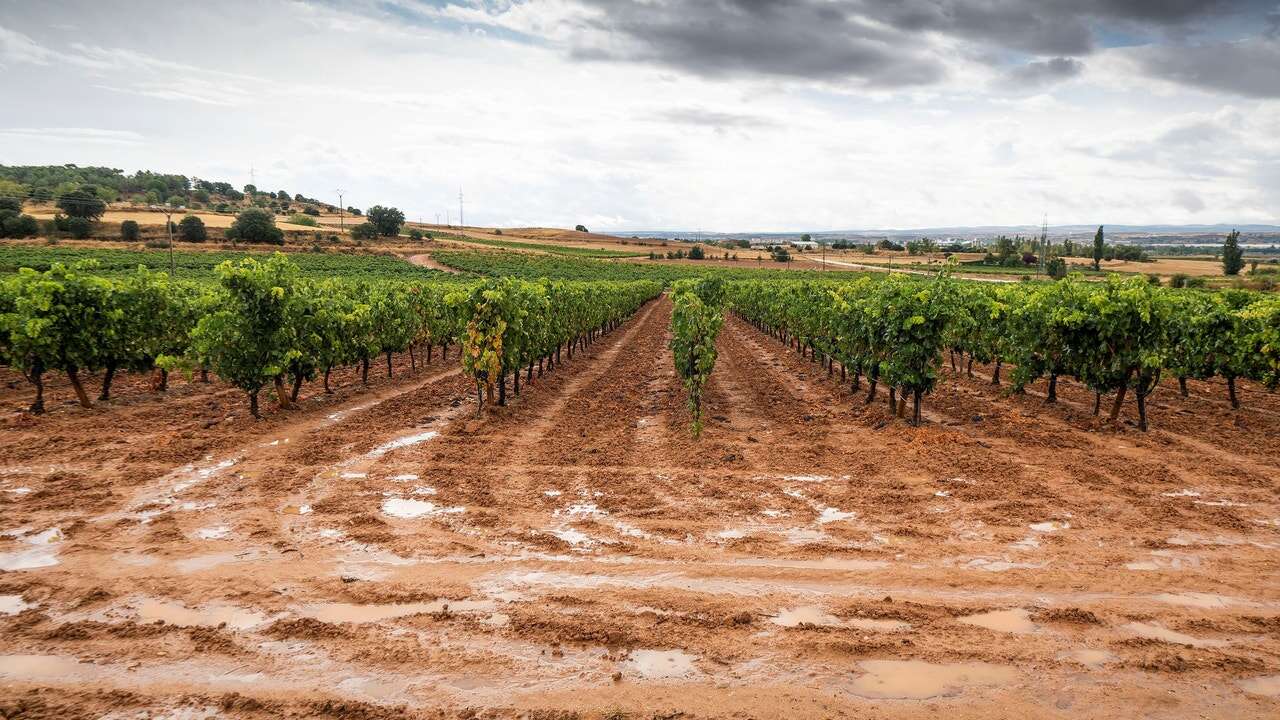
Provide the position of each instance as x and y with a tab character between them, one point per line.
330	485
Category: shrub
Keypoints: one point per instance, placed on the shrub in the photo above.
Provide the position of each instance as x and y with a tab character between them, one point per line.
222	207
415	235
175	201
17	225
497	231
157	243
581	228
300	219
309	210
129	230
364	231
1196	282
191	229
255	225
79	227
695	253
1153	279
14	205
1179	280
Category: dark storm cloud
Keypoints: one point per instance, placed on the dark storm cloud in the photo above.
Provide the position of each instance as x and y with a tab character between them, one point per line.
798	38
1045	72
884	43
1247	67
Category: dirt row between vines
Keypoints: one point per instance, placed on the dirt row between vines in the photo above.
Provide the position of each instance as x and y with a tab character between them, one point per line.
388	553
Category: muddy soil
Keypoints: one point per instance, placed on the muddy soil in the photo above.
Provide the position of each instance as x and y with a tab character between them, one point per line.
387	552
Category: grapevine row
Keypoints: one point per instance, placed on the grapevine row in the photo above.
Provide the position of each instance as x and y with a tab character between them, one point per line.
263	324
696	320
1117	336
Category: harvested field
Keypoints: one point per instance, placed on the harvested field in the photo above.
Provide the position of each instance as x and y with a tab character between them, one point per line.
385	552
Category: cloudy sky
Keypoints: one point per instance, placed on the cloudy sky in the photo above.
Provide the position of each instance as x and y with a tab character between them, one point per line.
711	114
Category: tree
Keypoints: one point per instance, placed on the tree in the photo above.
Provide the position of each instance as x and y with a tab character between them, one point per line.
191	229
282	195
387	220
1099	243
250	189
696	253
1232	254
82	203
255	225
580	228
1056	268
415	235
806	237
129	230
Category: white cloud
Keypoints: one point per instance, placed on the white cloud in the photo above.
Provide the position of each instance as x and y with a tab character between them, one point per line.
400	103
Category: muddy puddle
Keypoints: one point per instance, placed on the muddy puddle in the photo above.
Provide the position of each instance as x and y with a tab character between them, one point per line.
1016	620
41	667
213	615
1152	631
660	664
1088	657
40	551
409	508
918	680
1268	686
13	604
357	614
817	617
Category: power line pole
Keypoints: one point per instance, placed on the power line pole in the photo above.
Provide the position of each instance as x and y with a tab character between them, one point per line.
253	179
342	225
461	222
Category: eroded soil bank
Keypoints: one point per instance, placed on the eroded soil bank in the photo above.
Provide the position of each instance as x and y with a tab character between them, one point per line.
383	552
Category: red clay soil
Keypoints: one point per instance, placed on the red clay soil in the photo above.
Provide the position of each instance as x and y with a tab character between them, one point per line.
389	553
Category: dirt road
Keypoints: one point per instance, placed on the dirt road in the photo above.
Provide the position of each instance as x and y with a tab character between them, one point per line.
386	553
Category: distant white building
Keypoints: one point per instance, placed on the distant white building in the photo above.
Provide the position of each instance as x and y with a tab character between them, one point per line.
803	244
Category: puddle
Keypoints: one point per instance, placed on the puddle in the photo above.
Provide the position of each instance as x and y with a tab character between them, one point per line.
807	478
19	490
1050	526
42	553
193	475
408	508
407	477
552	493
1157	632
354	613
1181	493
661	664
39	667
806	615
352	475
1199	600
917	680
208	616
1016	620
1268	685
420	490
573	536
1088	657
296	509
402	442
830	514
216	532
212	560
13	604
